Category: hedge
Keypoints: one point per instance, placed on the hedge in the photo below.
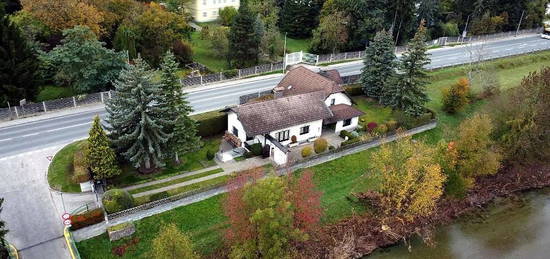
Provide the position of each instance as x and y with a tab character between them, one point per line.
116	200
211	123
86	219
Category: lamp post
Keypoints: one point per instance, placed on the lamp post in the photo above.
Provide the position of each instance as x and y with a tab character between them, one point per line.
520	20
284	56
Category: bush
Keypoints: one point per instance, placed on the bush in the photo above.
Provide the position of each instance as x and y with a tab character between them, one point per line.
382	129
307	151
227	14
331	147
209	155
256	149
159	196
293	139
183	52
51	92
230	73
211	124
320	145
116	200
344	134
371	126
354	90
409	122
392	125
456	97
86	219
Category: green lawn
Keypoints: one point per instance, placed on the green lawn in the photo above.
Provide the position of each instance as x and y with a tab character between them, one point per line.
60	170
297	45
189	162
374	112
335	179
202	53
179	180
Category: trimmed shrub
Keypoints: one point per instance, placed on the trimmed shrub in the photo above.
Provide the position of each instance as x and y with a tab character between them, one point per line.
159	196
209	155
116	200
86	219
293	139
256	149
371	126
211	124
320	145
381	129
344	134
392	125
307	151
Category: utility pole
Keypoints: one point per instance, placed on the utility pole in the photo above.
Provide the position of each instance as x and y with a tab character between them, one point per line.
284	56
520	20
465	32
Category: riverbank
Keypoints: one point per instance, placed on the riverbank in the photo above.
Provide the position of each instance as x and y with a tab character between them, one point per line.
360	235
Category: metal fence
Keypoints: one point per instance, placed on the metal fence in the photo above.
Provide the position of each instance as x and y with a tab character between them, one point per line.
30	109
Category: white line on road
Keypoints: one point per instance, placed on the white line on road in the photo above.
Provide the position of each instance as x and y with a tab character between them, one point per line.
31	134
6	139
68	127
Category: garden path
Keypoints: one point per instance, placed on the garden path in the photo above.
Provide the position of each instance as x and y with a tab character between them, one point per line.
137	186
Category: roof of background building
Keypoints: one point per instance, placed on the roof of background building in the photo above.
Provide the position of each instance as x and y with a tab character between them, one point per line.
300	80
264	117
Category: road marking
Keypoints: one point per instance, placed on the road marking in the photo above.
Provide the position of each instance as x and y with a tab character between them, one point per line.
6	139
32	134
68	127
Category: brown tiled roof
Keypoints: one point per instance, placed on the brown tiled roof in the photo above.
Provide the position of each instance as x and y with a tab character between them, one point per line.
333	75
264	117
343	112
301	80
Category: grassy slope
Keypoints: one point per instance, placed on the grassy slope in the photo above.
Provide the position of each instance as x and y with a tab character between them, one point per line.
335	179
61	167
296	45
203	54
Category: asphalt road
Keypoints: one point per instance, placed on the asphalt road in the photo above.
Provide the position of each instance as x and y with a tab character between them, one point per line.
42	133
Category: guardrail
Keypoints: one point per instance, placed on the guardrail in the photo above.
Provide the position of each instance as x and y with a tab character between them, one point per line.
71	244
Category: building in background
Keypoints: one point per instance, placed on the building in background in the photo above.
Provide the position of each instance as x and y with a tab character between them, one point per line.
208	10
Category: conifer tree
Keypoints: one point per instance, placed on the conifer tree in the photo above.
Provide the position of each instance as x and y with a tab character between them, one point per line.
299	17
380	64
18	64
3	232
100	158
184	131
244	42
407	92
136	117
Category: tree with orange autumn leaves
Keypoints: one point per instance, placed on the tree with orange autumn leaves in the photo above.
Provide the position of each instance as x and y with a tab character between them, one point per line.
268	216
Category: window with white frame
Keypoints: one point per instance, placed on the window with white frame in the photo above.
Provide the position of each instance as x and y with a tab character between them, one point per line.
304	130
204	14
214	13
283	135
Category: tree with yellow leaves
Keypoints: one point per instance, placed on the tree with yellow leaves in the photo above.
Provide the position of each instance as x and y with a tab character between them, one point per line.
408	178
59	15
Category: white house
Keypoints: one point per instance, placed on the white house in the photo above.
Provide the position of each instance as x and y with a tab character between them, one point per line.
208	10
304	104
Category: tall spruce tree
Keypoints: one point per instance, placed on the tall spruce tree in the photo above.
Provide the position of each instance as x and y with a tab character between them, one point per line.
299	17
184	131
3	232
18	64
407	91
100	158
244	42
380	64
136	117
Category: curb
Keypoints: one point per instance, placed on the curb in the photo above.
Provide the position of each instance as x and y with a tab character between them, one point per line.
70	243
13	251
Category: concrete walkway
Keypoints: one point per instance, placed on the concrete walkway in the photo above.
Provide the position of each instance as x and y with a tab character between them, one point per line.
174	186
236	166
137	186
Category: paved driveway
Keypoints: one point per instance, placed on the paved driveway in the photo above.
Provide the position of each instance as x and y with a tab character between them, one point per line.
31	211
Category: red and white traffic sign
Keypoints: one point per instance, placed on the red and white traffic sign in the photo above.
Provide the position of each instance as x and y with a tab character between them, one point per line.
67	222
66	216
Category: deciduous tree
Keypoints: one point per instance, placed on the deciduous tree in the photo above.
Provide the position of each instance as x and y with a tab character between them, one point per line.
380	64
65	14
306	200
3	231
82	62
227	14
456	97
407	92
100	158
136	117
408	178
172	243
331	35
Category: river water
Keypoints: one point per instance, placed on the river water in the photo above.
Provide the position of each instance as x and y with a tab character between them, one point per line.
510	228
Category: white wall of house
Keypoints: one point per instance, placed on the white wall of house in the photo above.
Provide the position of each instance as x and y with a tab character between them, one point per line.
278	156
339	98
340	125
315	130
208	10
233	122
